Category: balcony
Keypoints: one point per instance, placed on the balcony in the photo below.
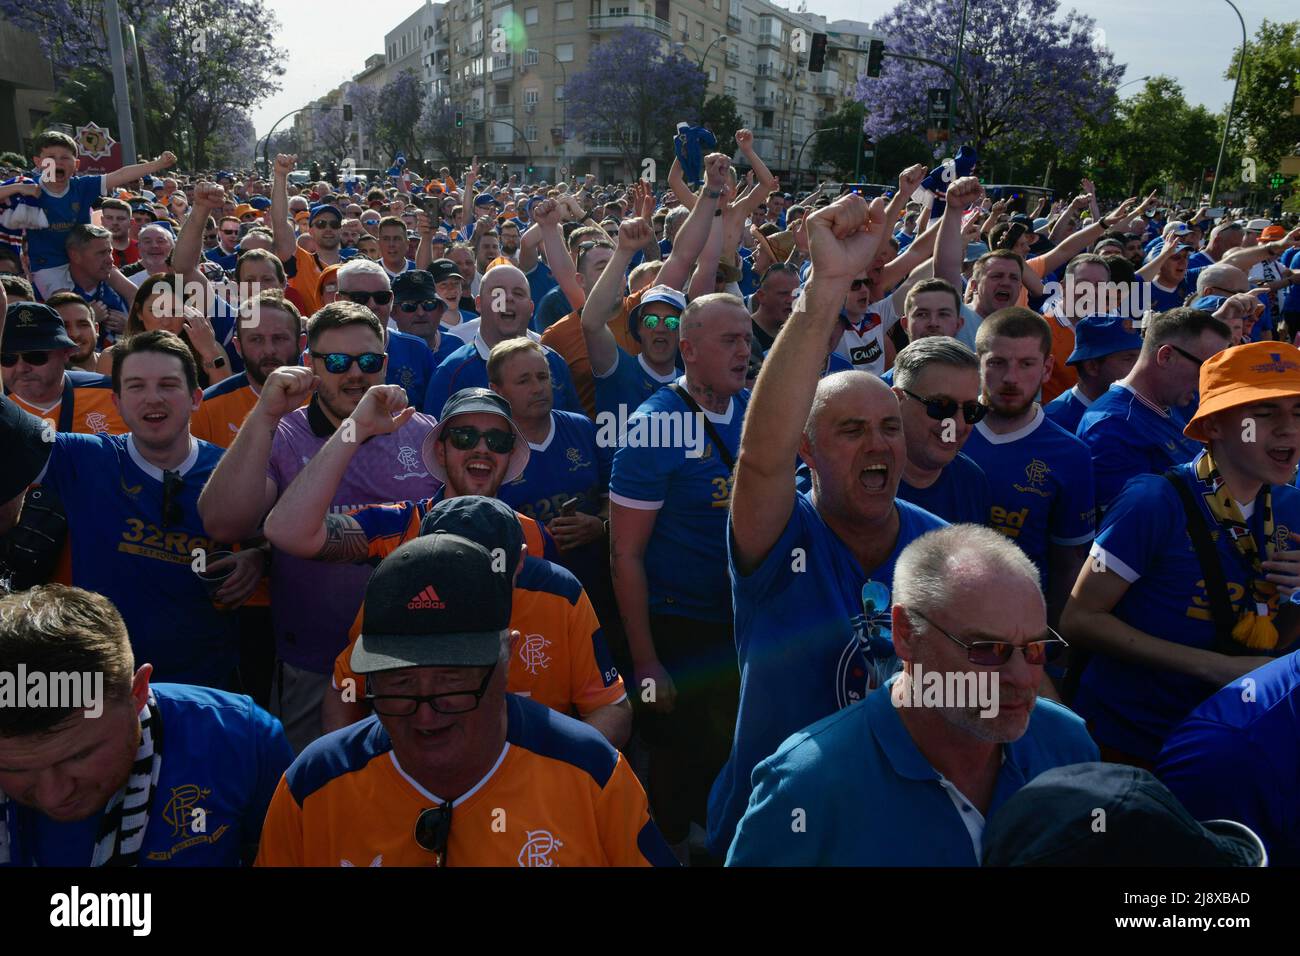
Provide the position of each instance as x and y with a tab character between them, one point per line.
769	39
503	66
733	58
825	86
442	30
474	48
765	69
641	21
476	11
475	80
733	24
500	149
503	110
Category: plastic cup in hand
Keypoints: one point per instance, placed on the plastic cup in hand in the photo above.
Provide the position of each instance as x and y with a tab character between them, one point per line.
215	578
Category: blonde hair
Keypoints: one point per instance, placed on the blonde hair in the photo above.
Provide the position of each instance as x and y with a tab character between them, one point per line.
503	352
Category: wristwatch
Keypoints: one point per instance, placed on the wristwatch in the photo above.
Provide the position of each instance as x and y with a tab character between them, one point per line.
218	362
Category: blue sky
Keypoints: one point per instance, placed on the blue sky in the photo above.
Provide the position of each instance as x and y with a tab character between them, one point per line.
1190	40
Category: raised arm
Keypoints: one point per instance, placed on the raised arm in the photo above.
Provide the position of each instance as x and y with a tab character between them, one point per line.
1082	239
898	268
841	237
547	214
677	183
766	182
189	244
286	243
950	244
1244	258
129	174
300	522
605	296
694	232
239	493
704	278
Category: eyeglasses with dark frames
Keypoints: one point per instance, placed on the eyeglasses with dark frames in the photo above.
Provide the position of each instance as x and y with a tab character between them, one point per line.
1198	362
997	653
449	702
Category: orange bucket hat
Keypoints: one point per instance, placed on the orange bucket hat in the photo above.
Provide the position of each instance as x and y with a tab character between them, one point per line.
1243	375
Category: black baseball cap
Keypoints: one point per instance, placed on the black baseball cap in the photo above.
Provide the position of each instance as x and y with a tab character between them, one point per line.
437	601
415	284
475	401
1107	814
34	327
26	450
486	521
442	269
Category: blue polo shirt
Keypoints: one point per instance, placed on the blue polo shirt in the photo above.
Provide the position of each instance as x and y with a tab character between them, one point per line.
1127	436
1235	757
1143	539
227	261
628	384
870	798
960	495
1067	409
805	643
1041	484
221	753
660	467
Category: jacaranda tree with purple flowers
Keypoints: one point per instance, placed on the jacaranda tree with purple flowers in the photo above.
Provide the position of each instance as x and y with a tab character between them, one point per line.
1031	72
632	94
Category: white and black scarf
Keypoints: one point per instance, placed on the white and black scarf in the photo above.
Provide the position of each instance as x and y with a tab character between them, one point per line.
122	829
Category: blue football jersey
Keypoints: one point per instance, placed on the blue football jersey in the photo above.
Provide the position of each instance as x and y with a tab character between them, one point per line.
960	495
46	248
1041	483
123	547
629	383
410	365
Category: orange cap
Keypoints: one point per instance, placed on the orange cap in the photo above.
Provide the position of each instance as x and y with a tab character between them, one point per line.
500	261
1243	375
1270	233
328	274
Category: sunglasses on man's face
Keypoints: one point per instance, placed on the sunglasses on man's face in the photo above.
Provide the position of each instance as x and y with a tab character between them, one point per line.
997	653
364	298
10	359
428	305
466	437
860	284
671	322
230	232
336	363
941	408
325	224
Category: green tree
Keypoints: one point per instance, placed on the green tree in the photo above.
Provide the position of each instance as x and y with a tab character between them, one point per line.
838	148
719	116
1263	124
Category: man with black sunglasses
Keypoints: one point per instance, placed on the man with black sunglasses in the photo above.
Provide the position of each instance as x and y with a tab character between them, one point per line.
1136	427
452	770
937	380
312	603
410	361
418	310
34	357
945	743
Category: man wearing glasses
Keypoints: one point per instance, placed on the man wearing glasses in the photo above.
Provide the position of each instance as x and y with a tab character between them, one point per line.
312	603
1134	428
937	380
418	310
811	573
225	253
452	770
410	363
1039	474
967	614
133	529
1194	564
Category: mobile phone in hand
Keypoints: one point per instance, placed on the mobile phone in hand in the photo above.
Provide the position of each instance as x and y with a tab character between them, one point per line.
569	508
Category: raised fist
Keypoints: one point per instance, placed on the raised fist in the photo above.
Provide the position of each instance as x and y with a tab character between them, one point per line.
285	164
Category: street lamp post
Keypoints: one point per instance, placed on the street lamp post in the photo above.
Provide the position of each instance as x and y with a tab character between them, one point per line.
1227	125
564	104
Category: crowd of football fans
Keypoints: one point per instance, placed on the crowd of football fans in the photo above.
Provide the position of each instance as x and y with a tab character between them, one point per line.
700	516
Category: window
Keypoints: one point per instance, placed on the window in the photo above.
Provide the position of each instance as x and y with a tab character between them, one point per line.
717	4
530	16
682	23
530	57
559	91
713	74
564	10
699	29
531	97
617	11
530	133
564	51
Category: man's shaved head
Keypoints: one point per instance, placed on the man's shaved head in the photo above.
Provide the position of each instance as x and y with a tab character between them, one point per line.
855	386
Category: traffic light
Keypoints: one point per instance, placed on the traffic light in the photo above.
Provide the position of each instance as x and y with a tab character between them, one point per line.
817	53
1277	182
530	170
347	112
460	119
875	54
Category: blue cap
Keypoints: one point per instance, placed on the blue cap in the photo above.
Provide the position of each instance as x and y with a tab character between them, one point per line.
225	174
1210	303
485	199
324	207
1100	335
259	202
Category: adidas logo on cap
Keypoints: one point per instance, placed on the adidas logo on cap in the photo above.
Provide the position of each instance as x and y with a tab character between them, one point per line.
426	600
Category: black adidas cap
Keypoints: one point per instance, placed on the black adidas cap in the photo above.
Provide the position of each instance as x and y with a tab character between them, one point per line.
439	600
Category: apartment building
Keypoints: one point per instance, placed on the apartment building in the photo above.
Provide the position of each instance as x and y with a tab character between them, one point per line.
504	65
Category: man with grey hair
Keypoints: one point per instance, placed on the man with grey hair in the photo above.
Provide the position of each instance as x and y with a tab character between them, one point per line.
156	243
937	380
410	362
811	573
947	742
94	277
672	225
